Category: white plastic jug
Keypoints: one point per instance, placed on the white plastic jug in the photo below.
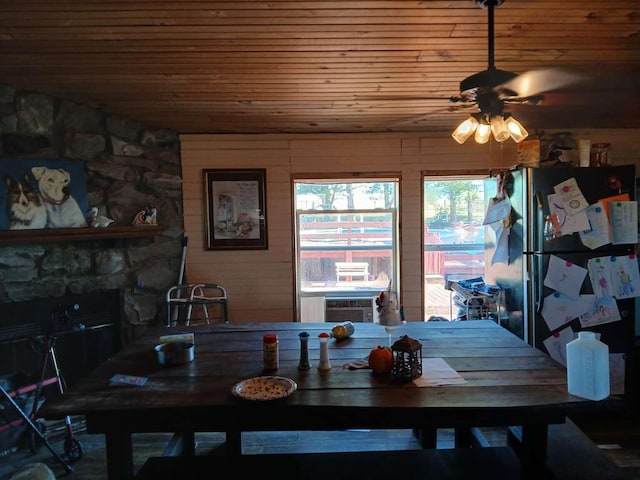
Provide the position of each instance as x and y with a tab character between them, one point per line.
588	367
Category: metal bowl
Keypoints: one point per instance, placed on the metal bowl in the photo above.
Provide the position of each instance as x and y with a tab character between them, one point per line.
175	353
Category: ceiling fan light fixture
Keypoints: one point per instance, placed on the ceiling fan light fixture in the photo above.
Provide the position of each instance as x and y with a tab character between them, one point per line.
483	132
499	128
516	130
465	129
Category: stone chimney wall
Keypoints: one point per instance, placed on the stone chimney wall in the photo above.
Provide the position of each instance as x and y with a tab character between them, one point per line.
127	166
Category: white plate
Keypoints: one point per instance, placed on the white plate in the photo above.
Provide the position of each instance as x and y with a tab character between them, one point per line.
264	388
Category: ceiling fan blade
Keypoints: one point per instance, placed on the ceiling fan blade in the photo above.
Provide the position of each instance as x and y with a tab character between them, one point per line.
532	100
418	118
400	97
534	82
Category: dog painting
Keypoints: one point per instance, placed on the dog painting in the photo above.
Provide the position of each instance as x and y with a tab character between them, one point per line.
24	204
63	210
38	194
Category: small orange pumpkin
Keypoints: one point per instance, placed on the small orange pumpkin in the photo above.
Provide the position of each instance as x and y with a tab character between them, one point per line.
381	359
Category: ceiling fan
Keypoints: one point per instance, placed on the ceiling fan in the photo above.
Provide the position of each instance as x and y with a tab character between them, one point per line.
491	89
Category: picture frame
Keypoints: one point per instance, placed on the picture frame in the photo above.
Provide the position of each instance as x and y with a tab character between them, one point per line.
42	193
236	209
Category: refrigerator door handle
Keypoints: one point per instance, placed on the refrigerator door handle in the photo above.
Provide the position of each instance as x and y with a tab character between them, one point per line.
539	199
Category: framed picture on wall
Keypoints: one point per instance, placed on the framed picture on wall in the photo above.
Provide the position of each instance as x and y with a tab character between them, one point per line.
42	193
236	209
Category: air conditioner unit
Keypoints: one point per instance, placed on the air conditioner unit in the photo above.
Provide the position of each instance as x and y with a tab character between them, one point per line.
355	309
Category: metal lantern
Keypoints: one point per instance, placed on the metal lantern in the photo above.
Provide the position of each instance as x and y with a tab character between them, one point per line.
407	364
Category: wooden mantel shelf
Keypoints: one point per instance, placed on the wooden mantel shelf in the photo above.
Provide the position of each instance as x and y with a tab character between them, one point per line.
12	237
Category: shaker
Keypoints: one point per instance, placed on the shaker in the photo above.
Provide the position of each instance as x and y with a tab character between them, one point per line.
324	363
304	352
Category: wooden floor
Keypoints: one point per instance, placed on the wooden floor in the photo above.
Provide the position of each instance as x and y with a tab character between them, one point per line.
620	440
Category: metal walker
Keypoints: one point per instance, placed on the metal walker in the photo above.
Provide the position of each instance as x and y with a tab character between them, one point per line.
72	447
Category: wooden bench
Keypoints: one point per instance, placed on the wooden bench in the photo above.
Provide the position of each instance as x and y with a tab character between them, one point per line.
349	270
492	463
571	454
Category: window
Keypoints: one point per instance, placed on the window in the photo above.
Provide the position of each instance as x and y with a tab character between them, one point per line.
454	237
346	246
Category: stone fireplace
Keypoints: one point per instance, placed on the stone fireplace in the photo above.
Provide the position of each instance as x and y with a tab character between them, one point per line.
128	166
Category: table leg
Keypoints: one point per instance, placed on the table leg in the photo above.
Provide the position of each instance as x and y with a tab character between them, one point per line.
233	443
428	437
119	456
470	437
530	443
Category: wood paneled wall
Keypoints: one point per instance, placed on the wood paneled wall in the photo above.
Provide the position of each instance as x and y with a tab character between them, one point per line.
261	283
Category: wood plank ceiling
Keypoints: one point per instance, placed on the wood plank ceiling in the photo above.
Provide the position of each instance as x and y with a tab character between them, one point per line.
297	66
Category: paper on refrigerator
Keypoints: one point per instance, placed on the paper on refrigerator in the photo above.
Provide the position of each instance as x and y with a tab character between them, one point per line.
559	309
564	276
598	233
568	223
623	217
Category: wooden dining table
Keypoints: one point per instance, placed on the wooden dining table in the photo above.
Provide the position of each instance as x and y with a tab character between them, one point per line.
506	383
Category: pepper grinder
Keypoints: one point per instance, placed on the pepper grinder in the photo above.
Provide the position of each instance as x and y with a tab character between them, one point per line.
304	352
324	364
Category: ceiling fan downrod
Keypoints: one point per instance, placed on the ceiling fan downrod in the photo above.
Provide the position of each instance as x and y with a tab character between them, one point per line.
490	5
491	77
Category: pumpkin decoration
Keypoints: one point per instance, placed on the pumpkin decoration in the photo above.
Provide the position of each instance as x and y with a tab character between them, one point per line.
381	359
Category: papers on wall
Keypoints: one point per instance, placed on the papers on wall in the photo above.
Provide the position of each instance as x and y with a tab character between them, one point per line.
598	233
558	309
564	276
602	310
623	197
556	344
567	224
615	276
497	218
625	276
600	276
623	218
501	241
611	220
571	196
498	210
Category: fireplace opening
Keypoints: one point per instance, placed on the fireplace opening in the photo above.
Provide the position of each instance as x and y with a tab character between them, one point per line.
85	329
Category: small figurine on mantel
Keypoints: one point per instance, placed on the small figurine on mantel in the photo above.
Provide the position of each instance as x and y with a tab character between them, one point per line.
148	216
98	221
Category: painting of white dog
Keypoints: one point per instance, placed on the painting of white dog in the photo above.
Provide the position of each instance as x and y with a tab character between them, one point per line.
25	209
62	208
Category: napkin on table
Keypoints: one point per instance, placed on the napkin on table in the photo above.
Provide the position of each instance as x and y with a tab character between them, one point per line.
436	372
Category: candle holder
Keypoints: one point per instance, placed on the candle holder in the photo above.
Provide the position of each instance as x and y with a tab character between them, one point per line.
407	363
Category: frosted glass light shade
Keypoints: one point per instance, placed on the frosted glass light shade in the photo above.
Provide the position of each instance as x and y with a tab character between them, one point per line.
466	128
499	128
516	130
483	132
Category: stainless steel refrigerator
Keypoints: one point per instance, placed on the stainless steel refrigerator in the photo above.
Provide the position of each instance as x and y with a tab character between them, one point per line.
522	271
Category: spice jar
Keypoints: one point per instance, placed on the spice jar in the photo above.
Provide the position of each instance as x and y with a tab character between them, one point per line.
600	155
270	351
